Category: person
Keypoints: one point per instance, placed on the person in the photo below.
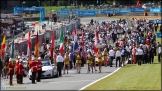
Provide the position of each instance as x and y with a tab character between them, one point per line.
99	56
89	61
134	54
78	62
33	67
20	71
140	55
59	61
11	71
39	67
6	67
118	56
105	57
17	63
71	59
94	61
1	67
159	54
111	55
66	62
123	56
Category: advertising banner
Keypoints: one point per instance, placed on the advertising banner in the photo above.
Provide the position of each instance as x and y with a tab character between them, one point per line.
137	10
62	13
159	35
152	21
86	13
107	11
155	10
65	9
124	11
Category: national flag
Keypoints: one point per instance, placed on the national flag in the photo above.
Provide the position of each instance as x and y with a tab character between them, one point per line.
12	47
75	47
82	40
52	44
61	43
96	42
36	47
3	45
29	45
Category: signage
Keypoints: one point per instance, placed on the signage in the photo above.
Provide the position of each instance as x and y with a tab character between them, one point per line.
107	11
66	9
86	13
155	10
159	35
137	10
153	21
124	11
62	13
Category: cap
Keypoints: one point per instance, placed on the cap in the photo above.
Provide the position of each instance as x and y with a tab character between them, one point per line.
39	58
33	58
10	59
20	60
18	57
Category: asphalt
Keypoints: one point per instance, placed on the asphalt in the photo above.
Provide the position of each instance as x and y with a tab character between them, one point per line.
71	81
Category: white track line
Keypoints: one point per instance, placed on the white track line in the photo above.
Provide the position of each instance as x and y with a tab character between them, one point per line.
101	78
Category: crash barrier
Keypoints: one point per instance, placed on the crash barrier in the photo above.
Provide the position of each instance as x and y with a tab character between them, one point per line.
46	34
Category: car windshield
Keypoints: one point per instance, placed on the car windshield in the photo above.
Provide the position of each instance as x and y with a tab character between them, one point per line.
46	63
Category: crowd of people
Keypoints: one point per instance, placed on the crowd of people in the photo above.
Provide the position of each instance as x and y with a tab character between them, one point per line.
119	40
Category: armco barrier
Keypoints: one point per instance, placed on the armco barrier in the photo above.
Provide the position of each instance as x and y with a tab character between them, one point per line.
107	11
124	11
137	10
155	10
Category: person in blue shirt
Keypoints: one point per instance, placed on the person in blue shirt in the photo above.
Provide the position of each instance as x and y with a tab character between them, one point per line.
71	59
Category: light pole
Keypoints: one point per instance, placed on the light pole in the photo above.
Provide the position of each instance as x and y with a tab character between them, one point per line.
39	2
22	14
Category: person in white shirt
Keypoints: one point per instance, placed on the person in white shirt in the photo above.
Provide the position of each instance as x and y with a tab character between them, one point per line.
59	60
159	53
140	55
118	56
111	54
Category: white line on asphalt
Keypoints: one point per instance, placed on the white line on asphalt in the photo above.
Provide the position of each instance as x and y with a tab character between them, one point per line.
72	81
100	78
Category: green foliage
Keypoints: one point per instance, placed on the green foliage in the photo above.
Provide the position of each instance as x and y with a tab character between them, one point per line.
46	3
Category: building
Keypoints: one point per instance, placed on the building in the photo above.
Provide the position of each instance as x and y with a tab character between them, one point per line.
8	5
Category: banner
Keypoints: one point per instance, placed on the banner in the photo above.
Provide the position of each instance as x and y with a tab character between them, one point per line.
137	10
159	35
155	10
92	11
107	11
152	21
124	11
62	13
86	13
65	9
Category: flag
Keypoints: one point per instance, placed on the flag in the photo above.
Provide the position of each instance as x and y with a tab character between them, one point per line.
82	40
52	44
75	47
3	46
29	45
96	42
12	48
36	47
61	43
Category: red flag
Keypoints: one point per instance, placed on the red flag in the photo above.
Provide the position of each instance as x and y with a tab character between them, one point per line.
36	47
52	44
96	42
29	45
82	40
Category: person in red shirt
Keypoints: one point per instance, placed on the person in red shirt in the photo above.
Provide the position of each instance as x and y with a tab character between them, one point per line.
147	41
33	67
39	67
11	71
20	71
17	76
